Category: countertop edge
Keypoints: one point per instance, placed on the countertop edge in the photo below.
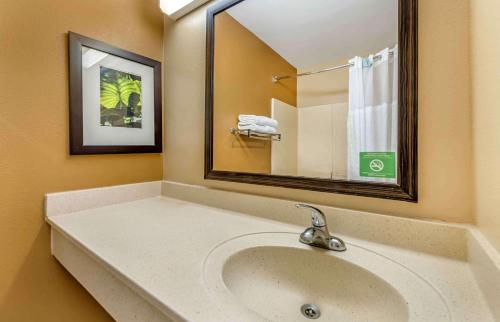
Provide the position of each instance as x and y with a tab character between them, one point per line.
129	282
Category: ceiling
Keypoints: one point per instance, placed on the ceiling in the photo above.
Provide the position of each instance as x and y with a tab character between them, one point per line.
314	32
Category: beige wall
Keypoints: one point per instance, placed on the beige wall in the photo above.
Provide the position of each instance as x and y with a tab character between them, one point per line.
34	132
445	141
324	88
244	67
34	144
485	45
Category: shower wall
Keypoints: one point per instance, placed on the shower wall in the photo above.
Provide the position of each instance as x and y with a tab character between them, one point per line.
313	143
322	101
322	141
284	152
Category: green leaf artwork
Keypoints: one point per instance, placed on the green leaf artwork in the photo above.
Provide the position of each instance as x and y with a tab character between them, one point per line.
120	99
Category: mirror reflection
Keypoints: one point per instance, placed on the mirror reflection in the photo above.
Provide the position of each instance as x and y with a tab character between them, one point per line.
307	88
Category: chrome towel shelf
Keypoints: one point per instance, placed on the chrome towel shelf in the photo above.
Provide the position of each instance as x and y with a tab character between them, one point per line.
256	135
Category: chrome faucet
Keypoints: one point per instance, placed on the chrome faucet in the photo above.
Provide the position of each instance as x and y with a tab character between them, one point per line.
318	235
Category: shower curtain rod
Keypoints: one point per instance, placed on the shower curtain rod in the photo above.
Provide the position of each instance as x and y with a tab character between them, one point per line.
278	78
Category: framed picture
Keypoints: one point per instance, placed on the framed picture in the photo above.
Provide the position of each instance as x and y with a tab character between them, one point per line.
115	99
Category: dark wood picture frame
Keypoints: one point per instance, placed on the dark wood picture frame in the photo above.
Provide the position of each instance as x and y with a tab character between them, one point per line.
76	42
406	187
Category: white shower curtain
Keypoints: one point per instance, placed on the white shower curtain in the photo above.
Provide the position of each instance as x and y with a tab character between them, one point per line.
372	124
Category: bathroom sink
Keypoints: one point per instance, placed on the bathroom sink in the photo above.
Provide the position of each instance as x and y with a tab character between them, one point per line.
273	277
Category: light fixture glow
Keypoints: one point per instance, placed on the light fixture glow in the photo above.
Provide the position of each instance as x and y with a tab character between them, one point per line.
178	8
171	6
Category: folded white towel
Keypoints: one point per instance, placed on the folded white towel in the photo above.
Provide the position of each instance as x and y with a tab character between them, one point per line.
257	128
258	120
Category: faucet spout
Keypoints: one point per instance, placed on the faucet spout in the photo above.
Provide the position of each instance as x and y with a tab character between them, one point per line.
318	217
318	235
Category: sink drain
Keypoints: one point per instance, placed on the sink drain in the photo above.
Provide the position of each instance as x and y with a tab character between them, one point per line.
310	311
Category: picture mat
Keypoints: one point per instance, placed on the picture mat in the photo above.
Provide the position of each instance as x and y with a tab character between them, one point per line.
96	135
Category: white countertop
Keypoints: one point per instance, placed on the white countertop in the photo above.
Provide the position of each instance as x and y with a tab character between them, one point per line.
159	245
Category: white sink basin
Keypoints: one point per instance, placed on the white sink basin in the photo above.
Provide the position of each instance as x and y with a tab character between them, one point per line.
269	276
274	279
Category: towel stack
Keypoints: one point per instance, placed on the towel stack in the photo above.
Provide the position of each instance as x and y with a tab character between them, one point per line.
257	123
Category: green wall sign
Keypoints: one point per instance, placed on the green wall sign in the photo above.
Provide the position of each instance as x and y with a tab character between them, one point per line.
377	164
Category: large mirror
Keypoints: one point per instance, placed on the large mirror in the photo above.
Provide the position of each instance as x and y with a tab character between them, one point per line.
313	94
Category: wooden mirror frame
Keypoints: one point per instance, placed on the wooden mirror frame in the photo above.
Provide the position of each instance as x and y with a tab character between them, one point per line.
406	187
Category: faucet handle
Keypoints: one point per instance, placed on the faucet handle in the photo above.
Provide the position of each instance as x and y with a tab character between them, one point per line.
318	217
